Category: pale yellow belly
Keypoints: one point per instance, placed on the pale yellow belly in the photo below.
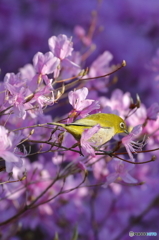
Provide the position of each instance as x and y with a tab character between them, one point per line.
101	137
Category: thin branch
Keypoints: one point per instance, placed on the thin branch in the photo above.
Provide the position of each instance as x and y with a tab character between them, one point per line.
33	126
151	160
3	111
26	207
123	64
62	192
31	205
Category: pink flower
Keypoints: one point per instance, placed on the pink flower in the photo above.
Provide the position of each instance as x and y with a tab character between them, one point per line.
119	101
79	102
130	145
45	63
61	46
8	144
98	68
84	141
121	172
152	112
15	80
27	72
16	92
101	65
71	66
43	97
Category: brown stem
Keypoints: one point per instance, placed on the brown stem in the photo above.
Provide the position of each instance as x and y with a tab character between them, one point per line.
62	192
31	205
123	64
27	207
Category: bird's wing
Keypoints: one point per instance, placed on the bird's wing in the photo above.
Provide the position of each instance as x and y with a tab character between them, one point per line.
86	123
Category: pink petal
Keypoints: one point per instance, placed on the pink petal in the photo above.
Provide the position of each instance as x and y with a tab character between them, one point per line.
45	63
87	149
88	133
93	106
152	112
110	179
50	63
136	130
128	178
78	99
38	61
129	152
61	46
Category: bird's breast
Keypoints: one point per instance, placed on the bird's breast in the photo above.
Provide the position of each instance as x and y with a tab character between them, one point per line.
102	136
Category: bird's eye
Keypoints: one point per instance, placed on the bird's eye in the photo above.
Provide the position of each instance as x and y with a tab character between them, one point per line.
122	125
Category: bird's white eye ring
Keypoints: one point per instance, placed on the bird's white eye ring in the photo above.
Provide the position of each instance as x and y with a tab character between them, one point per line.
122	125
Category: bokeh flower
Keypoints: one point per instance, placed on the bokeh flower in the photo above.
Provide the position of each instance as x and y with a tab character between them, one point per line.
130	145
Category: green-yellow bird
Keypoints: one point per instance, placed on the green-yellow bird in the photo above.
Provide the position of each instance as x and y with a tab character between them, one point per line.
110	124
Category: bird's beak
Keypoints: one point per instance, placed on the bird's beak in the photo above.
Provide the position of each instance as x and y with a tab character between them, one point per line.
126	131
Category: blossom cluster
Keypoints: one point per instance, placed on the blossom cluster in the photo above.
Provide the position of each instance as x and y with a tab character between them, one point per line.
43	165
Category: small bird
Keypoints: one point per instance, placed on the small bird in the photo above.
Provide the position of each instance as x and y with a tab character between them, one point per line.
110	124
